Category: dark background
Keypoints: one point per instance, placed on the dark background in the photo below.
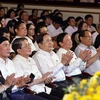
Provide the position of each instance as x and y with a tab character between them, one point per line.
55	2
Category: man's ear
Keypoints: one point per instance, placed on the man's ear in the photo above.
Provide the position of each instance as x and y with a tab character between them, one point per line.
40	45
61	44
16	30
81	38
19	51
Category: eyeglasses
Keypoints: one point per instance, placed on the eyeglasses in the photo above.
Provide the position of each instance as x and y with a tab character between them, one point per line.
26	46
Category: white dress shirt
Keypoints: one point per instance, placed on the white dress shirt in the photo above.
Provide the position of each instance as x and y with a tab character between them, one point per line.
25	67
76	65
91	28
53	31
7	68
94	35
93	67
70	30
49	62
33	48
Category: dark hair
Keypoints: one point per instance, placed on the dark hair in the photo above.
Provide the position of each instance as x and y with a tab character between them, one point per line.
45	17
9	12
88	16
28	25
43	12
38	27
80	26
17	44
40	38
2	18
3	30
58	14
55	11
78	18
82	34
17	25
19	5
57	20
19	9
10	24
2	39
71	17
21	13
34	10
60	38
2	8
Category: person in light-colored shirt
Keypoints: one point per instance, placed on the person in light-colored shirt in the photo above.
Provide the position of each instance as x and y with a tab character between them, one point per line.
21	31
71	28
89	21
47	60
55	28
76	65
25	65
93	63
7	68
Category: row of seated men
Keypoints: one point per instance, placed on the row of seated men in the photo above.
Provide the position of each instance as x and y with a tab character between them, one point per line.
45	62
48	67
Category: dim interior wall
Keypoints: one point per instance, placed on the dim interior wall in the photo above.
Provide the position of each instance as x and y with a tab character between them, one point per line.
67	11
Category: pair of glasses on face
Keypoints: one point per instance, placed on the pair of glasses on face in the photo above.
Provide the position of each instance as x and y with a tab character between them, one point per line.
26	46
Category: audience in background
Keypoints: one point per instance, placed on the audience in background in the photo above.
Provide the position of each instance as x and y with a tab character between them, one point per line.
78	20
71	26
55	28
2	12
10	15
3	21
89	21
96	36
34	16
75	36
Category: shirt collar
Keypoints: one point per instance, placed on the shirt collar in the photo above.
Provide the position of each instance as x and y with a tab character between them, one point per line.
84	46
46	53
3	61
23	58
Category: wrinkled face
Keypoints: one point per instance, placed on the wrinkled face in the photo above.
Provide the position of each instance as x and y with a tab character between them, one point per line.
87	39
67	42
25	16
85	26
89	21
30	31
72	22
2	12
25	50
5	50
21	31
47	44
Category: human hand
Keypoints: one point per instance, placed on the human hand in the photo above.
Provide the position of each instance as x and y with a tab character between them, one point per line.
9	80
66	58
